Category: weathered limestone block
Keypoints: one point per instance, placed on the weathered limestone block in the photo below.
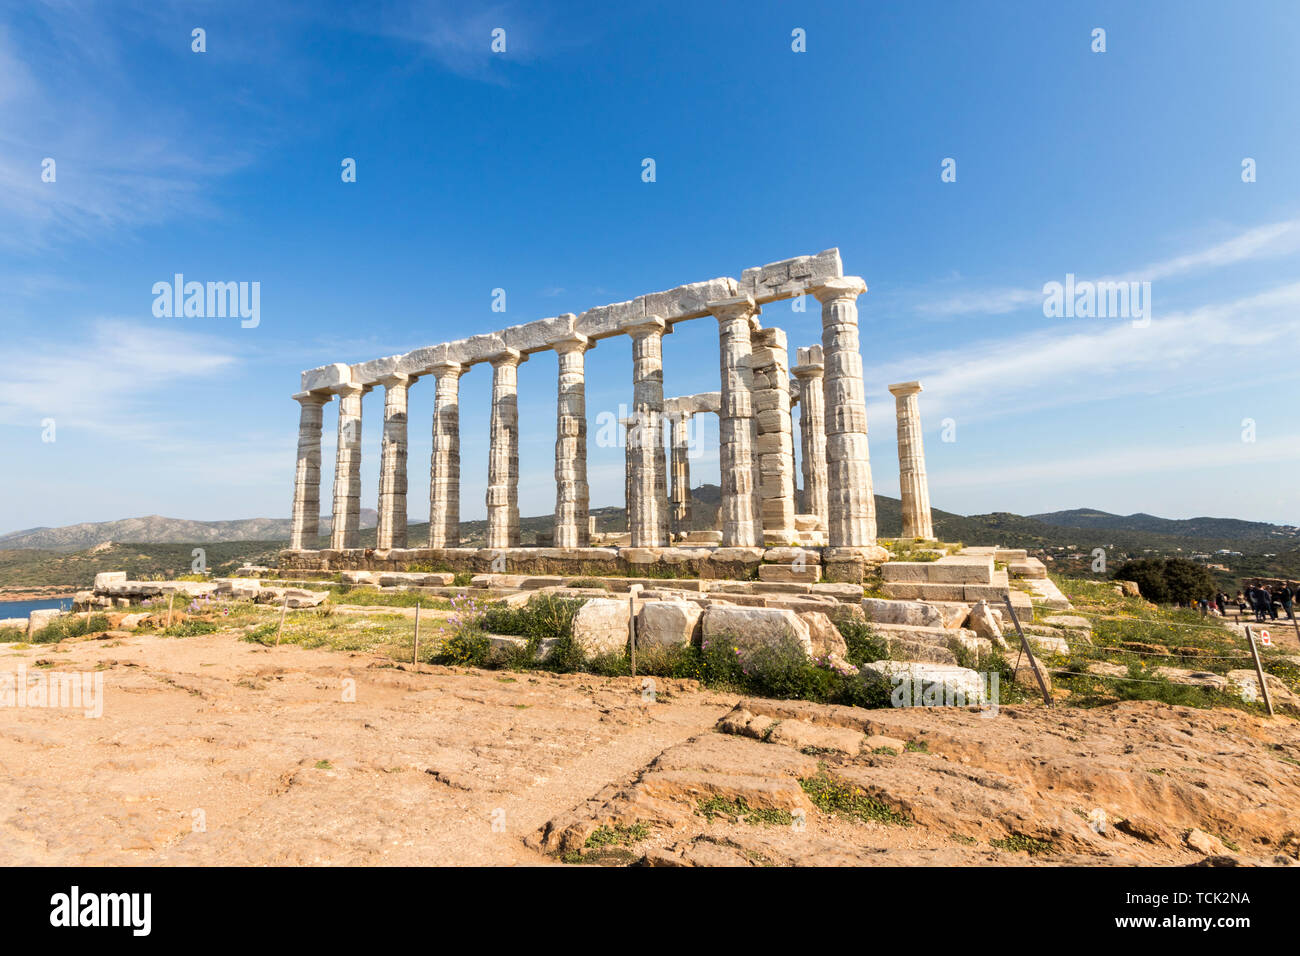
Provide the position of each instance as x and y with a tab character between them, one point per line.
668	623
104	578
751	627
986	622
601	626
824	635
928	681
41	618
913	613
790	573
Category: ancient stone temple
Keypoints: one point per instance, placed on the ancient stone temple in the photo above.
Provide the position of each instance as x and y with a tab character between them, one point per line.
762	504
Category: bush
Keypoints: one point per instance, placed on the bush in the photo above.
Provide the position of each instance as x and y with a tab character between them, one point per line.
65	627
863	644
1167	580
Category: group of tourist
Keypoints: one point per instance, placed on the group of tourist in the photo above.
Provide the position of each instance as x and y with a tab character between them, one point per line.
1264	603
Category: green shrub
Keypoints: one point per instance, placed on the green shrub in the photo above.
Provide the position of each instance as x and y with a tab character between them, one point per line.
864	645
65	627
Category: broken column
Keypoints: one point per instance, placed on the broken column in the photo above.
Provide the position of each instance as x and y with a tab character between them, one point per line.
571	491
391	532
444	464
306	477
681	471
851	506
739	511
648	511
346	528
503	455
770	366
915	488
812	430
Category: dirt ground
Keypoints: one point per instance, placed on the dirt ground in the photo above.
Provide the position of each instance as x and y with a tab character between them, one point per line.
215	751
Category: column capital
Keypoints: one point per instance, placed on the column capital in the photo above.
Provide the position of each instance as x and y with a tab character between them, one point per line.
741	307
572	342
350	388
507	357
395	378
312	398
903	389
811	370
442	369
647	326
845	287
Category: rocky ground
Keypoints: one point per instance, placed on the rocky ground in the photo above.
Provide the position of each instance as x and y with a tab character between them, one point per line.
212	750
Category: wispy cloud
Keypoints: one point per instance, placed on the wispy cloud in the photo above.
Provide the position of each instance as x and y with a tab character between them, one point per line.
1058	366
111	381
1261	242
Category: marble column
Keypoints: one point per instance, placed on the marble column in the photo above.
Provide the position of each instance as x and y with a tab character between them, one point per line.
627	423
571	491
737	433
346	529
503	455
444	463
915	487
812	430
649	506
774	446
851	505
306	478
392	464
681	472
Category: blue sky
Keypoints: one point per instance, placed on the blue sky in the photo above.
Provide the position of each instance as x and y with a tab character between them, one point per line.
522	170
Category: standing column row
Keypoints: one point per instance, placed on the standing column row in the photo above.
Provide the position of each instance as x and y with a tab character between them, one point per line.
571	491
649	501
913	484
851	505
444	463
812	430
391	532
680	423
346	530
306	479
503	455
737	434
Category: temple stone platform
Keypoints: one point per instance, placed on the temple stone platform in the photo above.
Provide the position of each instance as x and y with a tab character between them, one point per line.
780	565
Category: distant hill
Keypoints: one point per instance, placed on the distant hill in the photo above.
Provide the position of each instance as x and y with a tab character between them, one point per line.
155	529
1183	527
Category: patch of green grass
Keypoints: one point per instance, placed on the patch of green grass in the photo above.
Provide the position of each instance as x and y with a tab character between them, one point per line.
190	628
324	765
832	795
918	747
64	627
1019	843
617	835
381	597
739	811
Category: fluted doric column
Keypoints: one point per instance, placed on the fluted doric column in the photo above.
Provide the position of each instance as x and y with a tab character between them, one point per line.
851	504
444	463
392	464
503	455
649	505
739	512
305	533
346	528
774	447
681	471
912	480
812	430
571	491
628	491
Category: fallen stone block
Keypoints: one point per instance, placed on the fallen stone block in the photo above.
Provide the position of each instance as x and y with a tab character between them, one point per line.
751	627
668	623
928	682
601	626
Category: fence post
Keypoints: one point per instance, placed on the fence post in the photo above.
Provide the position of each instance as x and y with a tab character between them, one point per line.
415	653
1259	671
170	598
284	609
631	623
1025	648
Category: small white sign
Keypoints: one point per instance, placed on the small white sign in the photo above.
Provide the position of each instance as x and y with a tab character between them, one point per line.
1265	638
